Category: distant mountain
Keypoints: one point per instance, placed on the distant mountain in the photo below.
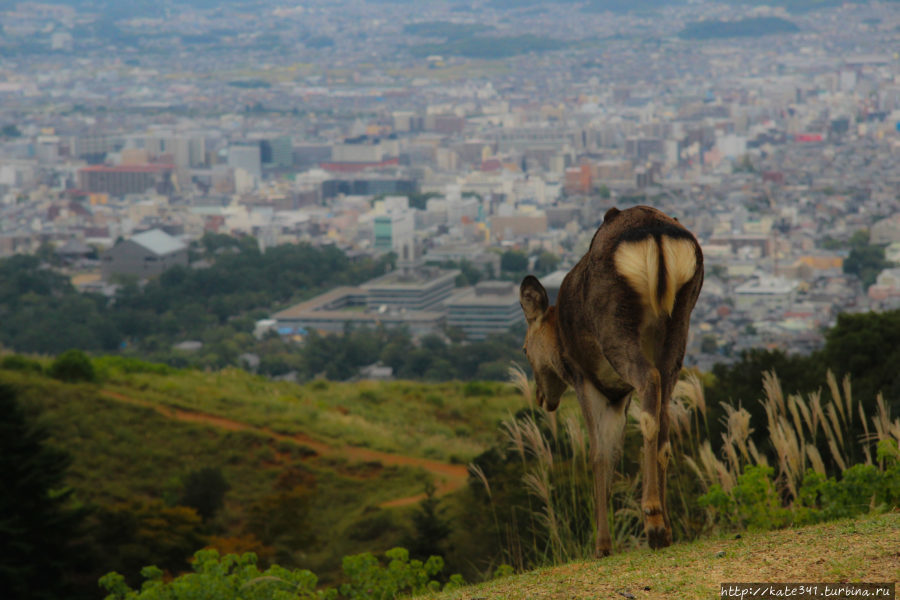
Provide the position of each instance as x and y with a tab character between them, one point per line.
617	6
754	27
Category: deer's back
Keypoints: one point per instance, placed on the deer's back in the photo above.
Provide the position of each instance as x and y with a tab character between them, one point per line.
625	291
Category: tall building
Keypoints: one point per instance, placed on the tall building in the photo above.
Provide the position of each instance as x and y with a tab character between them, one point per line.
278	152
394	230
247	158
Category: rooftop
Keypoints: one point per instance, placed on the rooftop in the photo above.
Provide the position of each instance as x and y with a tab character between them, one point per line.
128	168
158	242
410	280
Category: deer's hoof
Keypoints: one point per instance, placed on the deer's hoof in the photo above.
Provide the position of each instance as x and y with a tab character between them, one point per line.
658	536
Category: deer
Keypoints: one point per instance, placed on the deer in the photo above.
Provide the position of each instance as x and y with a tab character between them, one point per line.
619	328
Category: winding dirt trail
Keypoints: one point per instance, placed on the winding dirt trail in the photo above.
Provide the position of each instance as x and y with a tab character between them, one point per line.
447	477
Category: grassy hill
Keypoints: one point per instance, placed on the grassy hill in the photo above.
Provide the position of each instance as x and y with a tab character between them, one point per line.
447	421
364	450
841	551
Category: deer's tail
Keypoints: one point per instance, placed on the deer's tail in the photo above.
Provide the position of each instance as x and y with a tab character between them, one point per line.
656	267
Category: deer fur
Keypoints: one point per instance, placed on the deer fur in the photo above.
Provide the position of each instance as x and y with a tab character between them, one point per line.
619	327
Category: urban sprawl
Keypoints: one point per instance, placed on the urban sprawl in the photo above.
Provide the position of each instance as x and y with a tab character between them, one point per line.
451	132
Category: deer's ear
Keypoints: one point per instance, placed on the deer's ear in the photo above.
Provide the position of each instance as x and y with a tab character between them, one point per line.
611	214
533	298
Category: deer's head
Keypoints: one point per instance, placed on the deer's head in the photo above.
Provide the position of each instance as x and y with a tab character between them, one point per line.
541	343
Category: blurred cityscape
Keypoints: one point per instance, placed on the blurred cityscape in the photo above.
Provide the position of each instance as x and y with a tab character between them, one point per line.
451	132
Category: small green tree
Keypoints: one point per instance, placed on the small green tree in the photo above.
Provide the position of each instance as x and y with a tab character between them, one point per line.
204	491
73	366
513	261
431	528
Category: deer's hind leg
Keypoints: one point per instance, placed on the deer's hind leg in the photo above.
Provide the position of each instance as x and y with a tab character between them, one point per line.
606	428
671	357
628	359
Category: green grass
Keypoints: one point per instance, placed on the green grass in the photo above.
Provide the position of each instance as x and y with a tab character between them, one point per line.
122	452
438	421
863	550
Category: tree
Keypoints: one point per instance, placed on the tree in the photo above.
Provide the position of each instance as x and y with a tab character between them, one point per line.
37	525
72	366
431	528
866	346
546	263
280	519
513	260
132	535
865	260
204	491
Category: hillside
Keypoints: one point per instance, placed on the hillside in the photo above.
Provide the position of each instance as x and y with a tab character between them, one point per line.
348	460
841	551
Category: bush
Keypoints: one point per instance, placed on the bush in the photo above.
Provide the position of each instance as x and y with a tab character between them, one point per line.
17	362
752	503
368	580
478	388
234	577
204	491
73	366
230	577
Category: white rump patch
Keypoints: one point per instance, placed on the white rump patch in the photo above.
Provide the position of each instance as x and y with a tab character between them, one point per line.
638	263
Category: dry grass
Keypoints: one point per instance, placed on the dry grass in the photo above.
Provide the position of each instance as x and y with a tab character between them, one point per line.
557	472
798	426
840	551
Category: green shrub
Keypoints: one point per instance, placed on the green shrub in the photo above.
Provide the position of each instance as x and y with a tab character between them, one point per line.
368	580
753	503
73	366
478	388
230	577
234	577
204	491
860	489
17	362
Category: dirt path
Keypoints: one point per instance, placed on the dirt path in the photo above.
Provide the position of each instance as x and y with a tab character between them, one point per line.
447	477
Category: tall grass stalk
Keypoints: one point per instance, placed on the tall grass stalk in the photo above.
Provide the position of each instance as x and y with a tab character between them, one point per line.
804	433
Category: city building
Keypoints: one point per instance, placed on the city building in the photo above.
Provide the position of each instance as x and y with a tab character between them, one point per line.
420	289
488	307
143	256
348	307
247	158
121	180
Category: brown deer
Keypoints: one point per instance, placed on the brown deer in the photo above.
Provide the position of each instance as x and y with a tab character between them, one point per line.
619	326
